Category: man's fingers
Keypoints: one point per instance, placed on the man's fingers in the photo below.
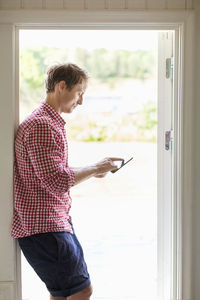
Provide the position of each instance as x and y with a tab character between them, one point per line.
116	158
100	175
108	164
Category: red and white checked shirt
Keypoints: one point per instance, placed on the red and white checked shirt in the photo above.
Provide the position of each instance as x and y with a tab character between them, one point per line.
42	177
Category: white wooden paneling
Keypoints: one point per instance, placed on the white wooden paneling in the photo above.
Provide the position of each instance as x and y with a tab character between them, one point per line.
30	4
10	4
116	4
156	4
189	4
6	291
136	4
74	4
96	4
54	4
173	4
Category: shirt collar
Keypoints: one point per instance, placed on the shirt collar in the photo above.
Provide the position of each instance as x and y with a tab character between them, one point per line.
51	111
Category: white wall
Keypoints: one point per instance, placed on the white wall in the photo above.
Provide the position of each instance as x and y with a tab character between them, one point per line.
7	111
196	162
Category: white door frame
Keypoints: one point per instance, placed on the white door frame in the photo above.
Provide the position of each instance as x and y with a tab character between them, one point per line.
183	24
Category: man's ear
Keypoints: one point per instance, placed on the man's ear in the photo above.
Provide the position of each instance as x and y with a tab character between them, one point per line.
62	85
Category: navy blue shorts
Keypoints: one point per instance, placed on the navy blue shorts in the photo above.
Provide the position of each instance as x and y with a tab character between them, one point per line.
57	258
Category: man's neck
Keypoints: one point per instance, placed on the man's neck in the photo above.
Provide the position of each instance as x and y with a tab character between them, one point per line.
50	99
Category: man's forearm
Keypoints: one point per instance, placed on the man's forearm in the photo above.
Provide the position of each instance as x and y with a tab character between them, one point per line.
82	174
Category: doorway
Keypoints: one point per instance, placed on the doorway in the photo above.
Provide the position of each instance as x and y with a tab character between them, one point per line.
125	240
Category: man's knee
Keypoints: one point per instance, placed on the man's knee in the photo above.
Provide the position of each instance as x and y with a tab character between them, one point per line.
87	292
83	295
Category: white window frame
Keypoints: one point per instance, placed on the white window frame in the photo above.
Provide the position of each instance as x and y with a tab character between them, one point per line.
183	24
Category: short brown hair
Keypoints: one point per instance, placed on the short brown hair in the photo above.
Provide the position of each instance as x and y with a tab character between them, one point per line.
70	73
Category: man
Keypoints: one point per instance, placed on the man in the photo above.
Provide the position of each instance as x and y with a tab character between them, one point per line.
42	183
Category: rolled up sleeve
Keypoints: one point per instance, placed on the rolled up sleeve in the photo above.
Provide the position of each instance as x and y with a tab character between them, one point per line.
47	159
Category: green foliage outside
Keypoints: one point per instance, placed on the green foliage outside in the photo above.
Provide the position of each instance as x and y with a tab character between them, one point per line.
140	126
104	64
34	63
107	67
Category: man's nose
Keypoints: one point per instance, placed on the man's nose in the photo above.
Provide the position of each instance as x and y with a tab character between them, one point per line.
80	100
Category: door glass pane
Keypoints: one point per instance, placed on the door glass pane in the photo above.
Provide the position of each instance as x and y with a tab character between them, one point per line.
115	218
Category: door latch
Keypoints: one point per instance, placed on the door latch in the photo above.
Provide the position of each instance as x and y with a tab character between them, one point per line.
169	67
168	139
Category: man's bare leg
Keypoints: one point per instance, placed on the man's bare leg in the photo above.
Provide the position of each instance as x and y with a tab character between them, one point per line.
57	298
83	295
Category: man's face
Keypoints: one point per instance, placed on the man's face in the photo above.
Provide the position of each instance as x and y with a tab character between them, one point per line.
68	100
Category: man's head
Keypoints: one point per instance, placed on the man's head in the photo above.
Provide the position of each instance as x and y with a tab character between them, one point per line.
71	74
66	84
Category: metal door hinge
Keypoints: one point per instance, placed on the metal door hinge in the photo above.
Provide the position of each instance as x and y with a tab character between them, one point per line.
169	136
169	67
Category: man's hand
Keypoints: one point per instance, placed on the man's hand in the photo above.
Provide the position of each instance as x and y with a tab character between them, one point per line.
106	165
98	170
